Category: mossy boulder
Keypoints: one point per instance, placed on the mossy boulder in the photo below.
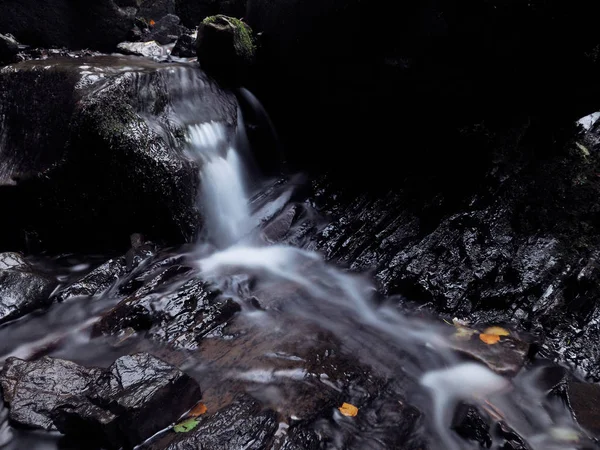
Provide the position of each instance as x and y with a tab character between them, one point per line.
225	48
107	157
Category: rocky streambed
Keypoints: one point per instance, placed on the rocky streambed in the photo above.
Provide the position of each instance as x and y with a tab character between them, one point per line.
165	283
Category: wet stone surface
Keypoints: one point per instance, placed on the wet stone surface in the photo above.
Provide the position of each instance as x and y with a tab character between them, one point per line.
23	289
137	396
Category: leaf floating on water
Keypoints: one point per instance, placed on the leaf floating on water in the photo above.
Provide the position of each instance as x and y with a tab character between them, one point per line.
497	331
186	425
198	410
348	410
489	339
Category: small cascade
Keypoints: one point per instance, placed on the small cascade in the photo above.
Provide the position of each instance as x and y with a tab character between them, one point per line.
223	197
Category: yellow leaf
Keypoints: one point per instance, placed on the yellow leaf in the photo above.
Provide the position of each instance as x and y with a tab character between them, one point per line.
489	339
198	410
463	333
348	410
498	331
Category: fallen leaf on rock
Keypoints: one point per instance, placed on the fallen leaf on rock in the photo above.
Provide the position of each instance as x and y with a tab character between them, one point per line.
498	331
489	339
186	425
348	410
198	410
152	22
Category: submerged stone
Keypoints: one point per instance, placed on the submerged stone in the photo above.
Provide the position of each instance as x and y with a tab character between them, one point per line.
137	396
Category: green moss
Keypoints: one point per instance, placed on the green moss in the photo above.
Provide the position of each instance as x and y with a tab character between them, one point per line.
243	40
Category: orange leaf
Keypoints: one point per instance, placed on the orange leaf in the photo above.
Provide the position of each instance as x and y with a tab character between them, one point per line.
348	410
489	338
198	410
152	22
497	331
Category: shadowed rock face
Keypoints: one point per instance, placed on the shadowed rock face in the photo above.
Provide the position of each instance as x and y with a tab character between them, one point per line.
22	288
99	25
377	77
96	144
137	396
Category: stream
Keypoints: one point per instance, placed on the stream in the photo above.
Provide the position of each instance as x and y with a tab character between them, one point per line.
292	305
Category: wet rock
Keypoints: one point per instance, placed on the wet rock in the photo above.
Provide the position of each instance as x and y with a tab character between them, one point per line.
34	390
583	400
181	317
121	406
185	47
515	248
147	49
23	289
165	30
192	12
100	25
244	424
9	47
225	48
505	357
122	129
106	275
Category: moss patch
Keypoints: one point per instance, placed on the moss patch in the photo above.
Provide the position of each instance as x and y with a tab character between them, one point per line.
243	40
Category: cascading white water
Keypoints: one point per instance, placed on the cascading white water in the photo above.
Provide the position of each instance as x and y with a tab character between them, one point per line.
223	194
342	304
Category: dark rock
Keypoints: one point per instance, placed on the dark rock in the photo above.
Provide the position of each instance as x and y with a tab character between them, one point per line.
183	318
192	12
185	47
100	25
225	48
85	133
520	246
435	57
9	48
106	275
505	357
244	424
156	9
22	288
583	400
165	30
34	389
148	49
137	396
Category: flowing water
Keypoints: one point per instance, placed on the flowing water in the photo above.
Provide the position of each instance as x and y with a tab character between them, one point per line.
297	287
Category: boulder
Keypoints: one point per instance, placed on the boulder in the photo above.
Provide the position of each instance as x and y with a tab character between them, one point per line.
225	48
137	396
84	133
23	289
99	25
